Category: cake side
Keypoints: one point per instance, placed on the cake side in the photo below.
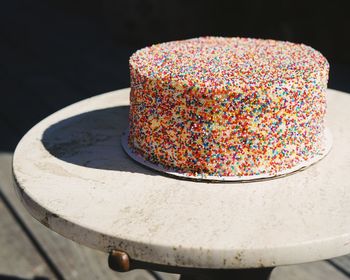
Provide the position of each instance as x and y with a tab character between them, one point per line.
227	106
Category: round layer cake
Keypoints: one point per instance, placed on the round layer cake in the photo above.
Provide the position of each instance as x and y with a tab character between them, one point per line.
227	106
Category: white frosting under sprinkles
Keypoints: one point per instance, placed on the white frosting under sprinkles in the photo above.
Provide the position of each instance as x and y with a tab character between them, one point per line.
228	106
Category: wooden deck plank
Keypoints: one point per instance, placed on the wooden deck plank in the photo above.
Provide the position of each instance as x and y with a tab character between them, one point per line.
73	260
18	257
342	263
308	271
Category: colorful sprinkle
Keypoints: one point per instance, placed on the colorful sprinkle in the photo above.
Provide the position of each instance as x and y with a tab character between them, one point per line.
227	106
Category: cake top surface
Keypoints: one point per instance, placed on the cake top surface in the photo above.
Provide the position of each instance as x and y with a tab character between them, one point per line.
226	63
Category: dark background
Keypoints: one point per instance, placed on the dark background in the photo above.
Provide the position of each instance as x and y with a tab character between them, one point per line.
53	53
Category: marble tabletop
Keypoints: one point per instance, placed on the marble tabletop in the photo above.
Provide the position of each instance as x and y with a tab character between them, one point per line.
73	176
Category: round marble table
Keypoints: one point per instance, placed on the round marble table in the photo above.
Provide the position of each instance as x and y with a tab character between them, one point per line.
73	176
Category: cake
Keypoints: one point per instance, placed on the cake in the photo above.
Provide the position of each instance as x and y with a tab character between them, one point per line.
238	107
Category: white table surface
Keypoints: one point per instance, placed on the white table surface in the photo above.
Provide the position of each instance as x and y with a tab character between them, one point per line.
74	177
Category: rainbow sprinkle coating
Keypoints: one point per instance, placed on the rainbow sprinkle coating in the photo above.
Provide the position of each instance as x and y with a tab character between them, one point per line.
227	106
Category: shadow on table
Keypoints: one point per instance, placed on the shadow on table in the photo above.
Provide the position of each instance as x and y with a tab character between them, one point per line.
93	140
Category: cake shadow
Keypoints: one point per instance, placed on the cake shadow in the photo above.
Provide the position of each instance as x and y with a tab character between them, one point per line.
93	140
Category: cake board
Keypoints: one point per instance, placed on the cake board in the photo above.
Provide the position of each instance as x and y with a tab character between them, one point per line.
230	179
73	176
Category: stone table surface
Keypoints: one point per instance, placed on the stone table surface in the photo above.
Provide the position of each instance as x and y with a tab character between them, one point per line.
73	176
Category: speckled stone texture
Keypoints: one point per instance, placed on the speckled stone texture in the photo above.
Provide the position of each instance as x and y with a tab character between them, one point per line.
73	176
